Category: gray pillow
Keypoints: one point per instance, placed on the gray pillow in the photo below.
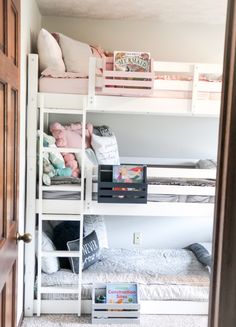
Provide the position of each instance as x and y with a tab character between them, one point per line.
206	164
90	251
202	252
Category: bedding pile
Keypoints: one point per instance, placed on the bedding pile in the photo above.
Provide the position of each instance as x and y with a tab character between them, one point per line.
101	148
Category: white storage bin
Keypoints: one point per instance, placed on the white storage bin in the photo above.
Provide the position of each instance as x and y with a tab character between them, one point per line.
115	313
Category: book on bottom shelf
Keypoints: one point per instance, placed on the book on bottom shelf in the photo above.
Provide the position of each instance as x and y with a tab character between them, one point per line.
121	293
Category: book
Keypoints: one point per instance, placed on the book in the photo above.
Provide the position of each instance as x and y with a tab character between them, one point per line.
131	61
121	293
127	174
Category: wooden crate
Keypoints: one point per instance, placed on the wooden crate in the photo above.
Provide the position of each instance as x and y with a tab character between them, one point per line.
126	83
110	192
106	313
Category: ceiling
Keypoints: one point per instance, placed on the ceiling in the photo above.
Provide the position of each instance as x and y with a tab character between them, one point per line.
175	11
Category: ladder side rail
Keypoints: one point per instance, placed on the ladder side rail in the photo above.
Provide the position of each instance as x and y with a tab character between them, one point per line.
31	171
40	201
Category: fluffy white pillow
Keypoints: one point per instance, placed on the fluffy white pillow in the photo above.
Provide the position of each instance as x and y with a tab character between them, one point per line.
49	265
50	55
76	54
106	149
96	223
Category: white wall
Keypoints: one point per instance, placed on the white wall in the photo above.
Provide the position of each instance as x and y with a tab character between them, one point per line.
167	42
30	25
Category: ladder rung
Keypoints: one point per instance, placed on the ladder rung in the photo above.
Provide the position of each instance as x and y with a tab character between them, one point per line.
61	217
58	290
61	254
66	150
63	111
64	187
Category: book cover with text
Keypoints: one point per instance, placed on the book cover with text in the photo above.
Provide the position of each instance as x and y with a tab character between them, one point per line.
121	293
131	61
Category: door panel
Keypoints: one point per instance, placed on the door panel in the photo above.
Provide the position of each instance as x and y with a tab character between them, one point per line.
2	26
11	157
9	144
2	106
13	33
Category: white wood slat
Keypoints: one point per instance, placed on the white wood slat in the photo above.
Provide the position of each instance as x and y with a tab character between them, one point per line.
133	83
214	87
181	173
154	209
66	150
170	85
63	111
114	306
117	314
61	101
173	67
62	217
59	290
121	74
61	254
147	307
67	207
141	105
181	190
115	321
64	187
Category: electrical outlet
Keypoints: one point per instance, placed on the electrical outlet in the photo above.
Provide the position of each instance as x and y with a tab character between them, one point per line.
137	238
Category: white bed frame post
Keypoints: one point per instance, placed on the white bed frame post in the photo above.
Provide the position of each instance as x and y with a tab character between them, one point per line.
40	201
195	88
31	181
92	83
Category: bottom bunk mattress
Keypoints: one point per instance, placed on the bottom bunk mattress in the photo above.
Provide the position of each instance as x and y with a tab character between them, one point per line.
172	274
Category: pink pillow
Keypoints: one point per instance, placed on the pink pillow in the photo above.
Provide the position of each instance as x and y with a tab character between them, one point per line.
70	136
76	54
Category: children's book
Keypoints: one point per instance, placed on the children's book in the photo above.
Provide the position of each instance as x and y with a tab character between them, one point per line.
131	61
121	293
127	174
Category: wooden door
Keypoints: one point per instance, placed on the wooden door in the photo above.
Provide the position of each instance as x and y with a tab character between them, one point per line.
9	145
222	311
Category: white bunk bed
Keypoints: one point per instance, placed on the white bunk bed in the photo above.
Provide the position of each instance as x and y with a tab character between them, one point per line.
57	209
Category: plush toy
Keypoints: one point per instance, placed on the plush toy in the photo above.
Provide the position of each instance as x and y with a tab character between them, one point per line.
48	140
70	161
48	170
71	135
53	162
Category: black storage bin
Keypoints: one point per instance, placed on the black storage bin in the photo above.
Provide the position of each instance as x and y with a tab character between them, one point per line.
117	192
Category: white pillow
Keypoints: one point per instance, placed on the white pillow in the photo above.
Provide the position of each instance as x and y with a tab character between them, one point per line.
96	223
106	149
49	265
76	54
90	158
50	55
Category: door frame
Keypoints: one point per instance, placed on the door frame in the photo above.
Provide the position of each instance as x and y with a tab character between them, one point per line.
222	312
